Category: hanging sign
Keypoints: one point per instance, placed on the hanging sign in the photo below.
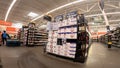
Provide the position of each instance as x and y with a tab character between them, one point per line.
98	19
72	14
101	4
5	23
58	18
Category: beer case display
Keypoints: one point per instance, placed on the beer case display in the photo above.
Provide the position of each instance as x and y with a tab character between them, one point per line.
70	40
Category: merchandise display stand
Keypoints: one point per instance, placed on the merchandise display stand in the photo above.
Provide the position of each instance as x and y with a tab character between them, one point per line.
115	37
44	37
23	35
71	38
31	36
35	37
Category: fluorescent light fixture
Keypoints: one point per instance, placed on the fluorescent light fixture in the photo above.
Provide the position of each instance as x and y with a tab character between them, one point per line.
32	14
9	9
71	3
93	23
17	25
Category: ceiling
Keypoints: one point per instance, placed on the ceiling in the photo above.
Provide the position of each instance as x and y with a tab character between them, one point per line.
19	13
22	7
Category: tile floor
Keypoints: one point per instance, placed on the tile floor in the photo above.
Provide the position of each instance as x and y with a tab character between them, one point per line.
33	57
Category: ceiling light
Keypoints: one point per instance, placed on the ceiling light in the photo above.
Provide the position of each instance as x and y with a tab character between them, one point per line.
93	23
9	9
71	3
32	14
17	25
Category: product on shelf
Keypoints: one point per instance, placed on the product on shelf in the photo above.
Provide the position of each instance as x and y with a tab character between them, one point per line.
23	35
115	37
71	39
30	35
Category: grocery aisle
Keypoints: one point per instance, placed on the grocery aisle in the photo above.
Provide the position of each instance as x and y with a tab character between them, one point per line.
33	57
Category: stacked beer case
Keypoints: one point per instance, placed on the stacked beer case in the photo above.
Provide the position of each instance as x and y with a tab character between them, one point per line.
71	38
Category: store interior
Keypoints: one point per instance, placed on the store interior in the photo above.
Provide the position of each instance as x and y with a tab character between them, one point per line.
59	33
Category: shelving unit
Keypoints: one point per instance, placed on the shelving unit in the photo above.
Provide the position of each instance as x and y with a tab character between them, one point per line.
36	37
44	37
71	38
23	35
31	36
115	37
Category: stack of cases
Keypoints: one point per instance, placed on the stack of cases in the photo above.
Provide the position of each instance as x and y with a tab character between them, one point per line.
52	42
63	41
68	30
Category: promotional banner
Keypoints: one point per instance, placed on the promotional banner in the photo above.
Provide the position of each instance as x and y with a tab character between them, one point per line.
5	23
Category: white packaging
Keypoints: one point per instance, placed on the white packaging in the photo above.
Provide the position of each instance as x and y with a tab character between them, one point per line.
48	43
55	39
61	23
62	30
68	22
62	35
69	36
59	36
72	49
49	39
74	21
72	56
65	29
65	22
73	29
73	44
54	44
59	31
73	36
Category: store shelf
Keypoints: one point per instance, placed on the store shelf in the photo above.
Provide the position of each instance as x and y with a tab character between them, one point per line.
115	38
68	26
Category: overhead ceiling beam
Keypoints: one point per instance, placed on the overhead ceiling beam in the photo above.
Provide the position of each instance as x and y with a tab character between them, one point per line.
9	9
114	20
102	14
91	7
112	5
82	10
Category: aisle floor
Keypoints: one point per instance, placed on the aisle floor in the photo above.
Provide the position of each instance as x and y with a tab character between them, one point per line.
33	57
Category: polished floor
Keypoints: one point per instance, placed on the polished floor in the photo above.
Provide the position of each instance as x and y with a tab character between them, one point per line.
33	57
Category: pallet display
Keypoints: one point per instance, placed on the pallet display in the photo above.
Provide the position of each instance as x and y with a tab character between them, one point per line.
71	38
